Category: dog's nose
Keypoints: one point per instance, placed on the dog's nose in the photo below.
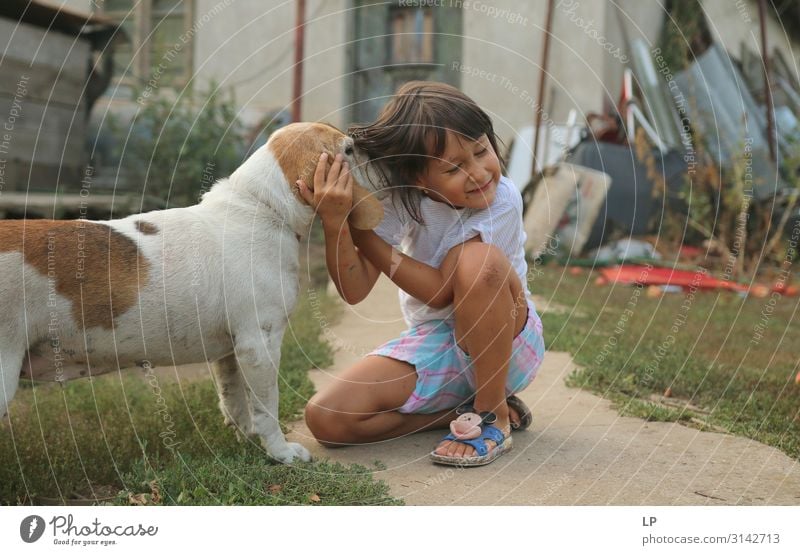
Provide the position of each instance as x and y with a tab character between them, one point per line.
348	146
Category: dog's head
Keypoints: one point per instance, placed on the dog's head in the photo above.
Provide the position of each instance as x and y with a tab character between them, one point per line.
297	147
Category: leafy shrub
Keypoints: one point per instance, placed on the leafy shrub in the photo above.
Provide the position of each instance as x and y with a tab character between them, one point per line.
177	149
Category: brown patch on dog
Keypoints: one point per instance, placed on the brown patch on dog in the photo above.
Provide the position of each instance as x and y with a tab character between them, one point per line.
146	228
298	146
93	265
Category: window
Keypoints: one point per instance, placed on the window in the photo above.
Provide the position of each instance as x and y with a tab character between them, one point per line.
159	48
411	35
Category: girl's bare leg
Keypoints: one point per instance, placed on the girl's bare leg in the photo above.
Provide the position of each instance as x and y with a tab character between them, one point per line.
490	310
361	405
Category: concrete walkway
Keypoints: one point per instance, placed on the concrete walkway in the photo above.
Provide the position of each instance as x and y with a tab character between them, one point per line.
578	451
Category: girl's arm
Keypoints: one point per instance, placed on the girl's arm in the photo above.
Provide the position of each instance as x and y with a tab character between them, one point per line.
350	271
332	198
432	286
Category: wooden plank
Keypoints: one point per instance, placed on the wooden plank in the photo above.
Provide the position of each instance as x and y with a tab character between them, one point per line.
21	176
41	82
36	46
41	133
93	206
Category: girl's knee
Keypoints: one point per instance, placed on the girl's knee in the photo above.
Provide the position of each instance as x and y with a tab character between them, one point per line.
330	422
326	422
325	430
482	266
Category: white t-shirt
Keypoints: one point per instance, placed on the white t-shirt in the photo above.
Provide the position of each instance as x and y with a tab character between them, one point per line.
500	225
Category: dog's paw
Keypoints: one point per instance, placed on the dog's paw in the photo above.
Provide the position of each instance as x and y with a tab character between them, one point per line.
291	453
301	452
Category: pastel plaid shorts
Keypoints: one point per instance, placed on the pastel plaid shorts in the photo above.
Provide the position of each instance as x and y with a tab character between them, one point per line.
445	373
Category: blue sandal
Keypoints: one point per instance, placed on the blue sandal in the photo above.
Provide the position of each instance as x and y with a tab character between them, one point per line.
514	402
484	455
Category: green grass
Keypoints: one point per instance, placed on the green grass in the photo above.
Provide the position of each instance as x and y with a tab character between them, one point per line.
243	479
728	363
114	439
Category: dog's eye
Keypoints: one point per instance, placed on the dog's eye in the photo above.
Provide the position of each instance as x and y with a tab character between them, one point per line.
349	151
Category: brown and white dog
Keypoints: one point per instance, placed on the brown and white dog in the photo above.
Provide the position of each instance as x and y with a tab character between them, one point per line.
211	282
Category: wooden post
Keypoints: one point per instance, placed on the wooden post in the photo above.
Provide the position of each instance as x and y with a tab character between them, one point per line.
762	15
297	83
542	79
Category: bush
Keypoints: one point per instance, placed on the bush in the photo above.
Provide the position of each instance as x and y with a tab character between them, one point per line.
177	149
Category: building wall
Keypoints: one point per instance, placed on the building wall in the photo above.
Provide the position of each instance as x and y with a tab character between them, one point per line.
325	79
253	54
44	113
502	57
735	21
500	61
83	6
577	58
249	48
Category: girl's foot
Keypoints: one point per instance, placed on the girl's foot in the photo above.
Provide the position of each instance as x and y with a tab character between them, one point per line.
519	417
450	448
523	417
519	413
513	417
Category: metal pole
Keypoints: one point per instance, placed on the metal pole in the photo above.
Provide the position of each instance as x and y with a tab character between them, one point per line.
762	16
297	82
542	80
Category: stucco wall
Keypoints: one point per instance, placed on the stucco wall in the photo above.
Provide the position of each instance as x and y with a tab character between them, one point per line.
502	39
249	47
84	6
506	45
735	21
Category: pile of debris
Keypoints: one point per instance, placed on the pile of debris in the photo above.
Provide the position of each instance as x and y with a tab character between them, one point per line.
603	191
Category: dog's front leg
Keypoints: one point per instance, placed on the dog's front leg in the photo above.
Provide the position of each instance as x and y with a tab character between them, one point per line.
259	358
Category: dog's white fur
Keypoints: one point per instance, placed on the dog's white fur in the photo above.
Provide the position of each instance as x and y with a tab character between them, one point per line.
222	279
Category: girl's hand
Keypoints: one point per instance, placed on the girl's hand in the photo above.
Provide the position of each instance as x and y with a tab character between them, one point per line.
332	196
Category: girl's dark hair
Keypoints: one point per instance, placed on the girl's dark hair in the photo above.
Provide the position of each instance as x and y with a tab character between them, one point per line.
413	127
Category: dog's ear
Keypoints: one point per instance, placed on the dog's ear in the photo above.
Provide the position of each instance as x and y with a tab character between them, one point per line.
297	148
367	211
297	152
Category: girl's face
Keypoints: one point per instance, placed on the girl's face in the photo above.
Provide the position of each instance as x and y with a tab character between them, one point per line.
466	175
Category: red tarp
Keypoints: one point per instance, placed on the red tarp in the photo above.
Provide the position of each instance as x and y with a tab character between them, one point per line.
634	274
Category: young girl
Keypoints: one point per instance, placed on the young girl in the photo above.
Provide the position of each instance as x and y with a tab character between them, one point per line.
473	339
